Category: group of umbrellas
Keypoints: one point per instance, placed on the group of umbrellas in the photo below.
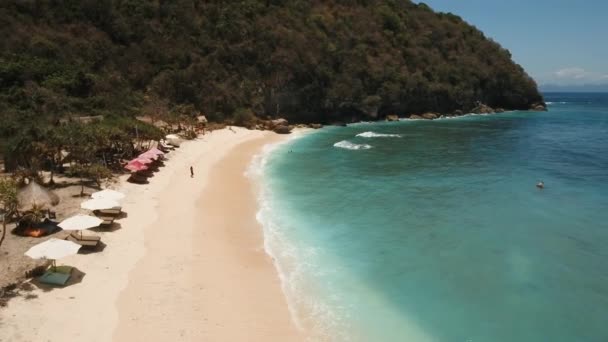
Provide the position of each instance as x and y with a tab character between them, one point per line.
54	249
143	161
36	196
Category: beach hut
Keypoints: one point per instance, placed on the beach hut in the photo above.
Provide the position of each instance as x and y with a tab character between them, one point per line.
36	196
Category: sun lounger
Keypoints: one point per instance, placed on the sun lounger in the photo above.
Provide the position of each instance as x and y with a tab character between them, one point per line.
107	219
83	237
166	146
56	275
84	241
108	212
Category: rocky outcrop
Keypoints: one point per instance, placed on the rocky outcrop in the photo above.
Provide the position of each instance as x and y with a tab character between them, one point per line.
499	110
281	126
540	107
458	112
416	117
280	122
282	129
392	117
315	126
482	109
430	116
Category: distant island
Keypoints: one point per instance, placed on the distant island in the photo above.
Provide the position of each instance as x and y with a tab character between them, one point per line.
241	62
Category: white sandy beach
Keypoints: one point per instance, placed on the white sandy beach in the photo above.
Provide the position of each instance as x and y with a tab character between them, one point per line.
187	264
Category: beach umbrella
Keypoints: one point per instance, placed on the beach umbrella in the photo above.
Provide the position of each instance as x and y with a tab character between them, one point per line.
155	151
108	194
80	222
34	195
99	204
144	160
135	165
148	155
173	139
53	249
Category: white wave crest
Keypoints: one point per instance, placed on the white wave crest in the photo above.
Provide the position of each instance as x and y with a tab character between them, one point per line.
350	146
378	135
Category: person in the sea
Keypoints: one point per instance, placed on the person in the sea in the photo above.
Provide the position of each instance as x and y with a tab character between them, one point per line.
540	185
191	172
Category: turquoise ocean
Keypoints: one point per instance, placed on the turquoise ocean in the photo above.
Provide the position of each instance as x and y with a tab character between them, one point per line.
435	231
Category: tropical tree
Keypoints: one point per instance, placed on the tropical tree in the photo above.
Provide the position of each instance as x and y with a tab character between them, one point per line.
8	202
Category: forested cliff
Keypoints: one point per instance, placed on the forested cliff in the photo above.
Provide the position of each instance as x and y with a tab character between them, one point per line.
306	60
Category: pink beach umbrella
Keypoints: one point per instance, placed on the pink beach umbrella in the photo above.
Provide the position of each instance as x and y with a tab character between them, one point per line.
136	165
144	160
156	151
147	155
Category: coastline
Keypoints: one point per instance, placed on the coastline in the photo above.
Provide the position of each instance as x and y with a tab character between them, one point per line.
187	262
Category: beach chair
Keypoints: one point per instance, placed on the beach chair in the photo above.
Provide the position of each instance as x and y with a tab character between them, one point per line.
56	276
108	212
86	241
107	220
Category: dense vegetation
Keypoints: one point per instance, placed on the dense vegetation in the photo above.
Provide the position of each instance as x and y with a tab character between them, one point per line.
306	60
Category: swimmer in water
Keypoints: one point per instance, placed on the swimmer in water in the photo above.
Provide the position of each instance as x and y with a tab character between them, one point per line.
540	185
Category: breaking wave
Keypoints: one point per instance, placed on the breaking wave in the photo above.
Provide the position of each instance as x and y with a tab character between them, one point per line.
350	146
378	135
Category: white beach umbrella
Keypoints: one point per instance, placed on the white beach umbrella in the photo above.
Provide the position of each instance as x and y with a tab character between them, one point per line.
99	204
53	249
108	194
173	139
80	222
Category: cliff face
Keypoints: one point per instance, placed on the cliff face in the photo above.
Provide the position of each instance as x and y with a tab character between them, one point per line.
309	61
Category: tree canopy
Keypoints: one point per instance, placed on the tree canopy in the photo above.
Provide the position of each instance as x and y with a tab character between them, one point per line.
306	60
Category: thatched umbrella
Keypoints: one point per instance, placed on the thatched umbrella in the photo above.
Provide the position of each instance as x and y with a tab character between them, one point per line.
36	196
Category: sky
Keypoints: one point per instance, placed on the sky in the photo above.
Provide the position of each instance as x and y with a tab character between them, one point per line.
559	42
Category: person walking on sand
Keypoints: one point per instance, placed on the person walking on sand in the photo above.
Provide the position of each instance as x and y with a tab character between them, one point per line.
191	172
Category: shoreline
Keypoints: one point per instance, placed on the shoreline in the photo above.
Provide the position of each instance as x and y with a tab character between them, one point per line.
179	267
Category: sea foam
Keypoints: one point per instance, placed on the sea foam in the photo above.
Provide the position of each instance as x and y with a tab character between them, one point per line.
378	135
351	146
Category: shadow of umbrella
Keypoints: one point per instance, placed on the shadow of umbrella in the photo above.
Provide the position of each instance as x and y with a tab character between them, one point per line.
76	278
97	249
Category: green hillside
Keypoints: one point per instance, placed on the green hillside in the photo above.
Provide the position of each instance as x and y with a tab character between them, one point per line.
308	61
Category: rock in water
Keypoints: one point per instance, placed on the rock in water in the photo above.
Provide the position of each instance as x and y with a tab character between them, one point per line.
430	116
416	117
540	107
392	117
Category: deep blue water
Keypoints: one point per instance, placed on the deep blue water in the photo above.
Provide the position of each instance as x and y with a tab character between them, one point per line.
437	232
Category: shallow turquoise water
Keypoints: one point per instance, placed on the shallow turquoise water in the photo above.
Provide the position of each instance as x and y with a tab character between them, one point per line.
438	232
